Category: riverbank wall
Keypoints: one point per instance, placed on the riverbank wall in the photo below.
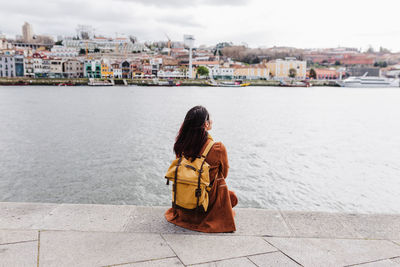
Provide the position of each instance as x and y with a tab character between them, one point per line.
47	234
24	81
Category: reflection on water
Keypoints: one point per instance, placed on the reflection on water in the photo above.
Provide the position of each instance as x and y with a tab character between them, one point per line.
328	149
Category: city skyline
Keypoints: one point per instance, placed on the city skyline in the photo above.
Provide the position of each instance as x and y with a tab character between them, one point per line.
308	24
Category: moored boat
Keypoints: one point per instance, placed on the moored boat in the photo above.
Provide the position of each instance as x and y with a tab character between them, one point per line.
237	83
94	82
295	84
369	82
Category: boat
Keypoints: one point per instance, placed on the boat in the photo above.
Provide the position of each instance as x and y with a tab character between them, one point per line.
94	82
66	84
237	83
369	82
295	84
169	82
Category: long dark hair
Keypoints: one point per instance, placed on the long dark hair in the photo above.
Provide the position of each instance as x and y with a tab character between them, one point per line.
192	134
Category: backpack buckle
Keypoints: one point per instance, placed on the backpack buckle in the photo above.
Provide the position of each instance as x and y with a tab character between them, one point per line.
198	192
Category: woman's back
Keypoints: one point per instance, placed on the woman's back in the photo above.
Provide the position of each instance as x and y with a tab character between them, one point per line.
219	216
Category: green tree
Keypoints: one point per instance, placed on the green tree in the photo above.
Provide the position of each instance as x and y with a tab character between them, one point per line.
58	43
96	50
313	74
292	73
82	51
202	71
337	63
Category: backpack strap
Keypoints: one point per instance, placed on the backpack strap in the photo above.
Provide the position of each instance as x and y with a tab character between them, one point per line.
204	155
175	185
208	148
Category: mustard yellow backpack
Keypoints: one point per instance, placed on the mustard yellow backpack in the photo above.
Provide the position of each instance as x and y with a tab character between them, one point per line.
191	181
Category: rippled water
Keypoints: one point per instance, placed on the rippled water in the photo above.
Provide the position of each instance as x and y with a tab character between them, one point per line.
328	149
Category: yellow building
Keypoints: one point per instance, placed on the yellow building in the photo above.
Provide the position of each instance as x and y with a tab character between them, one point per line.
106	70
251	73
280	69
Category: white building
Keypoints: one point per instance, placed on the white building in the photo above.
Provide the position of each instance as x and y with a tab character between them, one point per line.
171	74
7	66
61	51
117	45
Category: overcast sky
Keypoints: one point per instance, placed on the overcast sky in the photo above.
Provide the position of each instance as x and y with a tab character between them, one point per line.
299	23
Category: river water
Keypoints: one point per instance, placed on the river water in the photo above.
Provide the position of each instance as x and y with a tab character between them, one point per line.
320	149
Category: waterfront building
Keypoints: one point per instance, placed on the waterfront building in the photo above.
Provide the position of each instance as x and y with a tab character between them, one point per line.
27	32
92	69
116	68
28	67
134	65
106	69
7	66
280	69
56	68
126	69
72	68
11	65
147	70
46	66
251	72
19	65
328	74
37	65
177	73
225	73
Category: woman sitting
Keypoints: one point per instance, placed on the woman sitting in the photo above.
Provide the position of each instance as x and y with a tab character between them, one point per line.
191	142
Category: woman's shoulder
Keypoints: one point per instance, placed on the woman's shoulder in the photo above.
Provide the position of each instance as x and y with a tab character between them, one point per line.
218	146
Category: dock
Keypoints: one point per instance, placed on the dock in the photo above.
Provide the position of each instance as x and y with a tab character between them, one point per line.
47	234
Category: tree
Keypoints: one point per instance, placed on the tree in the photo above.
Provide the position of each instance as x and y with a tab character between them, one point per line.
82	51
313	74
202	71
58	43
337	63
96	50
292	73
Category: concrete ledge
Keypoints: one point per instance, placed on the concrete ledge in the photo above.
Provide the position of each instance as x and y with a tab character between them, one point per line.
108	235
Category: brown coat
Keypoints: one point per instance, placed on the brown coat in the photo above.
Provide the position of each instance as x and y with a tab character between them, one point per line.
219	216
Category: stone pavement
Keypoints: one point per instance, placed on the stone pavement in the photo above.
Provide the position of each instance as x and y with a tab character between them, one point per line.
37	234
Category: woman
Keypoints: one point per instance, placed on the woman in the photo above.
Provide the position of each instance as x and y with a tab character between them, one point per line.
191	141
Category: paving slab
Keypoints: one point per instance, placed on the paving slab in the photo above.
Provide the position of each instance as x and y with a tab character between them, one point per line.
215	248
74	248
242	262
382	263
334	252
20	215
373	226
273	259
318	224
19	254
86	217
151	220
174	262
260	222
13	236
